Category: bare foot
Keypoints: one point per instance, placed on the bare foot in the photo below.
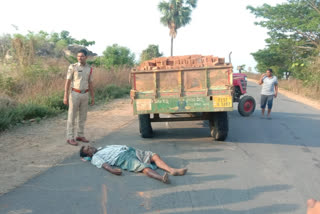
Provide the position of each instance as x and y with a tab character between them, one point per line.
165	178
179	172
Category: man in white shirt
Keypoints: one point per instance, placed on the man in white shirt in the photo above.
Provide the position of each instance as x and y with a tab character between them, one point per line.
269	90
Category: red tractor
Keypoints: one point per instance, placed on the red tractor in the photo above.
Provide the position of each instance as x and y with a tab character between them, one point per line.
246	104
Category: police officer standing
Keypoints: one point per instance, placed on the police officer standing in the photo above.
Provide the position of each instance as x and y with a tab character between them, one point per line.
79	77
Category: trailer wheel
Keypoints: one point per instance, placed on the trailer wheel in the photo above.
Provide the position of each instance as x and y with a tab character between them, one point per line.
219	126
246	106
145	126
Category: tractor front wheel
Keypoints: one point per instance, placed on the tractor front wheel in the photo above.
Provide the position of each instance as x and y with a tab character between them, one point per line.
246	106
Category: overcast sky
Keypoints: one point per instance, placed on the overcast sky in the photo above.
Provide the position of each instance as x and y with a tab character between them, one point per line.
217	26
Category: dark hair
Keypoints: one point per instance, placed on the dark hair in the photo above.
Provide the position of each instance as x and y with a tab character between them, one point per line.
82	154
270	70
83	51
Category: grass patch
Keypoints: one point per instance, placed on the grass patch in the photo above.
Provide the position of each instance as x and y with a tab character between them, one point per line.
54	101
48	106
36	91
103	95
12	116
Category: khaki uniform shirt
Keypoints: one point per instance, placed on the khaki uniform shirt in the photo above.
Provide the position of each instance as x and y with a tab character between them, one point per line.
80	76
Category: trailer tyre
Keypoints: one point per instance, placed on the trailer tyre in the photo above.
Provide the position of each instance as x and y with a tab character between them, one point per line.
145	126
246	106
219	126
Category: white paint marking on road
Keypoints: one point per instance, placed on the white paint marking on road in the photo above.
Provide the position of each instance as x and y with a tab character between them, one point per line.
104	199
23	211
189	210
47	165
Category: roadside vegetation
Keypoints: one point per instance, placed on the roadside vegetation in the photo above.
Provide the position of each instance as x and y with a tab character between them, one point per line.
33	69
293	46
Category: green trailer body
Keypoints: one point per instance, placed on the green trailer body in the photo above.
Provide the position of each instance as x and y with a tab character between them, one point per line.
182	91
199	93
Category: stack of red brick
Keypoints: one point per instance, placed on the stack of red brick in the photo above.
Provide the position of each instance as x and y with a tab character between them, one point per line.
179	62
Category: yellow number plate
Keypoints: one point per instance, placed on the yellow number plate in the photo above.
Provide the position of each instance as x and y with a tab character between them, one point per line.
144	104
222	101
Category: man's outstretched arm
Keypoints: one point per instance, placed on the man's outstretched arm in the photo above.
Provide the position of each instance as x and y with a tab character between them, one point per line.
115	171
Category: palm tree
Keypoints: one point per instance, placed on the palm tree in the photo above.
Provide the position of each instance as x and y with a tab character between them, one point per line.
176	14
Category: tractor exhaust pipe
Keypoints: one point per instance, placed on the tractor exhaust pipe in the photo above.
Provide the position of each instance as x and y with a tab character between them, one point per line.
230	57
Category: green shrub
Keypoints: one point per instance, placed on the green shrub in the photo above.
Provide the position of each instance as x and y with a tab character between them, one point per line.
116	55
111	92
6	118
31	111
55	101
8	85
36	109
97	61
12	116
151	52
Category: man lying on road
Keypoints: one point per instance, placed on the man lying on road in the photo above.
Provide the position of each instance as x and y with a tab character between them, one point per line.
131	159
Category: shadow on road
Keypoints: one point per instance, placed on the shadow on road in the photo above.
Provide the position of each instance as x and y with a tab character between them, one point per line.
207	200
277	208
182	133
283	128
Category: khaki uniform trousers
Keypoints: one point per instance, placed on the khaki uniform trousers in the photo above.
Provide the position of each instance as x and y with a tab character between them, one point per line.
78	106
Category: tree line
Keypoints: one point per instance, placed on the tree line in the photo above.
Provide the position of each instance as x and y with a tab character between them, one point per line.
293	43
23	49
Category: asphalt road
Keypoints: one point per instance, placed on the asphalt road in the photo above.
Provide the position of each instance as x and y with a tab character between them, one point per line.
264	167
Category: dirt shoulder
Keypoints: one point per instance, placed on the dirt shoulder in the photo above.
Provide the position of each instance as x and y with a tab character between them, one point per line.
310	102
28	150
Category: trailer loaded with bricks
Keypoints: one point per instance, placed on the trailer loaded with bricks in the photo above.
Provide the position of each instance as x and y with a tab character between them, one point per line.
194	87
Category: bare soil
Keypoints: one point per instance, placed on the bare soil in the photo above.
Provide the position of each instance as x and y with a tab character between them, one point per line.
30	149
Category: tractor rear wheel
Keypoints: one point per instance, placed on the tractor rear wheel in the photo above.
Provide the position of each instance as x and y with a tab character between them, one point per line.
145	126
246	106
219	125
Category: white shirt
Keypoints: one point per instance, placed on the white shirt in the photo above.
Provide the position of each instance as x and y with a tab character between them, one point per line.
109	155
268	85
